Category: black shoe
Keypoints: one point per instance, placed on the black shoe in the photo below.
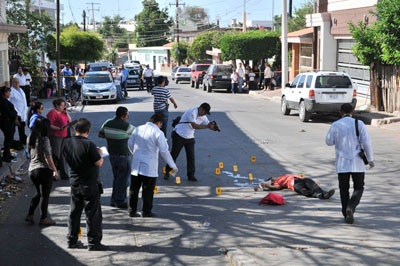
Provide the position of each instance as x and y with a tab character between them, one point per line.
192	178
7	159
327	195
134	214
166	176
122	206
151	214
77	245
98	247
349	215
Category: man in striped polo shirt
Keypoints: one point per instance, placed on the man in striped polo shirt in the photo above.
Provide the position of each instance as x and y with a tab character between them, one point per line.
161	96
117	132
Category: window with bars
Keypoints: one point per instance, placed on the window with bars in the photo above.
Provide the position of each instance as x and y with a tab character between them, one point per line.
305	57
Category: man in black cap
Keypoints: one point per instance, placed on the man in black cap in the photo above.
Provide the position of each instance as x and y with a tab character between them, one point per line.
183	136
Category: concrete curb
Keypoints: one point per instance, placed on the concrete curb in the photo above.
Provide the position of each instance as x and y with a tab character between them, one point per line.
238	257
376	122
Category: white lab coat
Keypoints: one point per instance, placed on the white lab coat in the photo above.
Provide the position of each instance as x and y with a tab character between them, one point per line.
18	99
342	134
145	143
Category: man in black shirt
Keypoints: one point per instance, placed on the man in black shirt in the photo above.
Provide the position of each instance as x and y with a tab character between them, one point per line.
50	80
84	159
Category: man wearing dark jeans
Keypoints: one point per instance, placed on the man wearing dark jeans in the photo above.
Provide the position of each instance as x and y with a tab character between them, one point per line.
183	136
349	137
146	142
124	80
304	186
85	160
117	132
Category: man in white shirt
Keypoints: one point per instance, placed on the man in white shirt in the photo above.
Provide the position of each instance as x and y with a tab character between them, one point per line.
267	76
146	142
183	136
18	99
148	77
22	80
348	146
240	73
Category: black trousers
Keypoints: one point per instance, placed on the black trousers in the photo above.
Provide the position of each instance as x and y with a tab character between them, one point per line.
85	197
148	184
141	84
8	129
21	131
177	144
58	157
307	187
261	81
344	186
43	180
149	84
252	85
27	91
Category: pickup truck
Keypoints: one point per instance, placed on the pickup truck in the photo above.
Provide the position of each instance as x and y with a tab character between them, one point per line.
196	77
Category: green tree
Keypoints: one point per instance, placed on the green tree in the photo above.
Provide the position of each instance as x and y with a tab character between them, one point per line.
250	45
183	51
203	42
153	25
298	21
367	48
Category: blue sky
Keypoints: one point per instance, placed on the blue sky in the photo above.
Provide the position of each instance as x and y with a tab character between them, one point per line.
226	10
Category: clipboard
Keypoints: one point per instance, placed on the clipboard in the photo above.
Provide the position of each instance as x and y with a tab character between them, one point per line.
70	124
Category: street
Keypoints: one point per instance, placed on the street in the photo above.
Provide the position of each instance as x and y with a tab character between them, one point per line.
197	227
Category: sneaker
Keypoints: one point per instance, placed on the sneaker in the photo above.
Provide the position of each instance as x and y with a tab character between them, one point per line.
78	244
166	176
47	222
349	215
327	195
30	219
151	214
134	214
98	247
192	178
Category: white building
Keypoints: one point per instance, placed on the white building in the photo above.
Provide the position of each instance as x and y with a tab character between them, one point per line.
259	23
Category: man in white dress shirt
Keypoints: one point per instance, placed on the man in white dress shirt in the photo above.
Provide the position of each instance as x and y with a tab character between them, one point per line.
18	99
348	146
146	142
148	77
240	73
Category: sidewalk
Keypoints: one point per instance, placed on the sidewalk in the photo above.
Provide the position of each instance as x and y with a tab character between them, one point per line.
363	112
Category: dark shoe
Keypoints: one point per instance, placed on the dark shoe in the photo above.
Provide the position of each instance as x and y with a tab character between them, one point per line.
47	222
151	214
30	219
98	247
7	159
328	195
349	215
192	178
78	244
122	206
166	176
134	214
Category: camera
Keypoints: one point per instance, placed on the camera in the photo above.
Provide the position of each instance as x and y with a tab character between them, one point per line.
216	127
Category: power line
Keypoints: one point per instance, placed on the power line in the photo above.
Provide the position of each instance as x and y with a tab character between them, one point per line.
93	9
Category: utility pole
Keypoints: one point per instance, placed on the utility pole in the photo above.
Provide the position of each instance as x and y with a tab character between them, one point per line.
285	58
177	30
93	9
58	49
244	16
84	26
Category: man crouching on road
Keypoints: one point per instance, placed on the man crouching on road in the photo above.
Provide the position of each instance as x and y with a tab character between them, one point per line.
84	158
146	142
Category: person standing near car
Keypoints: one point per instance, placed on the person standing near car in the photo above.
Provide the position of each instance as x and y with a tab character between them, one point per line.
348	145
117	132
18	99
141	87
148	76
183	136
234	80
124	80
161	96
85	159
240	73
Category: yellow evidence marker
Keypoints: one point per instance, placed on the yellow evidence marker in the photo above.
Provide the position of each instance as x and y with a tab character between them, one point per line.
250	176
178	180
235	168
221	165
218	190
253	159
164	170
155	190
80	232
302	175
218	171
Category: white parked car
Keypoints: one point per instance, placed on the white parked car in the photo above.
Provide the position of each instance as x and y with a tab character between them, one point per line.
318	92
182	74
98	86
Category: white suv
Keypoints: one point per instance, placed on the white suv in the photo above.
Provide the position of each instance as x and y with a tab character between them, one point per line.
318	92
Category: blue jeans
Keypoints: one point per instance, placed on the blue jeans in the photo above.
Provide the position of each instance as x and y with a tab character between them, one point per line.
121	167
123	85
164	114
119	92
240	85
234	87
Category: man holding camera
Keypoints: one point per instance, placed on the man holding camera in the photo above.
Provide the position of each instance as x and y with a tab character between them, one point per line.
350	138
183	136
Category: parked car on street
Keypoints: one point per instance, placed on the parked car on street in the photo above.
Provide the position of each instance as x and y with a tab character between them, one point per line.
174	72
182	74
99	65
133	78
318	92
198	71
218	77
98	86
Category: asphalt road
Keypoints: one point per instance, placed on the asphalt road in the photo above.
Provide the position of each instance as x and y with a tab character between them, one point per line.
196	227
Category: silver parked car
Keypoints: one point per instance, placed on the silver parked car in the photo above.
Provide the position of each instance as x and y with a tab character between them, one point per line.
98	86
